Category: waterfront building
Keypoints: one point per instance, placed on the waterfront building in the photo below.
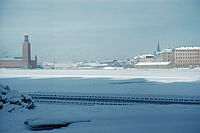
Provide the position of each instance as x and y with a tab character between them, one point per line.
154	65
187	57
168	55
144	58
21	62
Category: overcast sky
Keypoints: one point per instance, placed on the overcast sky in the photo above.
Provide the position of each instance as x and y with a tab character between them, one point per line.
66	30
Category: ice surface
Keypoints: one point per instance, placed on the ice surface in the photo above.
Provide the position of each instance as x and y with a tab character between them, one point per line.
129	81
164	75
110	119
140	118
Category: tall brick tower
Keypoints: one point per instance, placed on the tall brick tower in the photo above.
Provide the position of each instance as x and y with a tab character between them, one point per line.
26	52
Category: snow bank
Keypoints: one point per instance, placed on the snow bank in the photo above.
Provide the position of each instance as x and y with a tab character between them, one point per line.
12	99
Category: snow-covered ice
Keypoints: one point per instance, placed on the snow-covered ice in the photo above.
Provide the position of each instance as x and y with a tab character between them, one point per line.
163	75
141	118
128	81
107	119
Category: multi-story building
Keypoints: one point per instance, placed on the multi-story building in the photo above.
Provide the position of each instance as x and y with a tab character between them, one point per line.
144	58
168	55
187	56
21	62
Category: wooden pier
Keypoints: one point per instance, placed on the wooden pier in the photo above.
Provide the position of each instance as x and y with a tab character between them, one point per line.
111	99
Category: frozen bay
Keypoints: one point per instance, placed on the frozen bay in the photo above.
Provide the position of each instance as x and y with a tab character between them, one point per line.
106	118
128	81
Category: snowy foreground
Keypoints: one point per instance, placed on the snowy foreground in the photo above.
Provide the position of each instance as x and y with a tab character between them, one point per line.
142	118
109	119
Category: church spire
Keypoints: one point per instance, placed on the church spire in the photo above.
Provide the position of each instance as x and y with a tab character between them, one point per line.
158	50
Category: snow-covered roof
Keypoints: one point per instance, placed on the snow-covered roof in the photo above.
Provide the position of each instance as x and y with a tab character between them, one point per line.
152	63
10	58
166	50
95	64
188	48
48	63
144	56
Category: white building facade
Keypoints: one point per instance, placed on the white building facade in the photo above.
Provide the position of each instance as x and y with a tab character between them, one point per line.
168	55
187	57
144	58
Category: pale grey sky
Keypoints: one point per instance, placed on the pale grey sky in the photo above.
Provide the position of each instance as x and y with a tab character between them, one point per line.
66	30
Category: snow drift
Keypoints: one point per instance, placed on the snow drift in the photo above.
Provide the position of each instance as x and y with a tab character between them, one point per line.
12	99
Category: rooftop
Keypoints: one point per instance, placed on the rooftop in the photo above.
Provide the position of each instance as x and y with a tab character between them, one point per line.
10	58
167	50
144	56
153	63
188	48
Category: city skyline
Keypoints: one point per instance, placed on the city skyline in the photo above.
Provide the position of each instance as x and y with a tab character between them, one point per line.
97	30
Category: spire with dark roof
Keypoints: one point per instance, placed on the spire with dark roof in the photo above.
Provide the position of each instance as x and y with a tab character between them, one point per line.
158	50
